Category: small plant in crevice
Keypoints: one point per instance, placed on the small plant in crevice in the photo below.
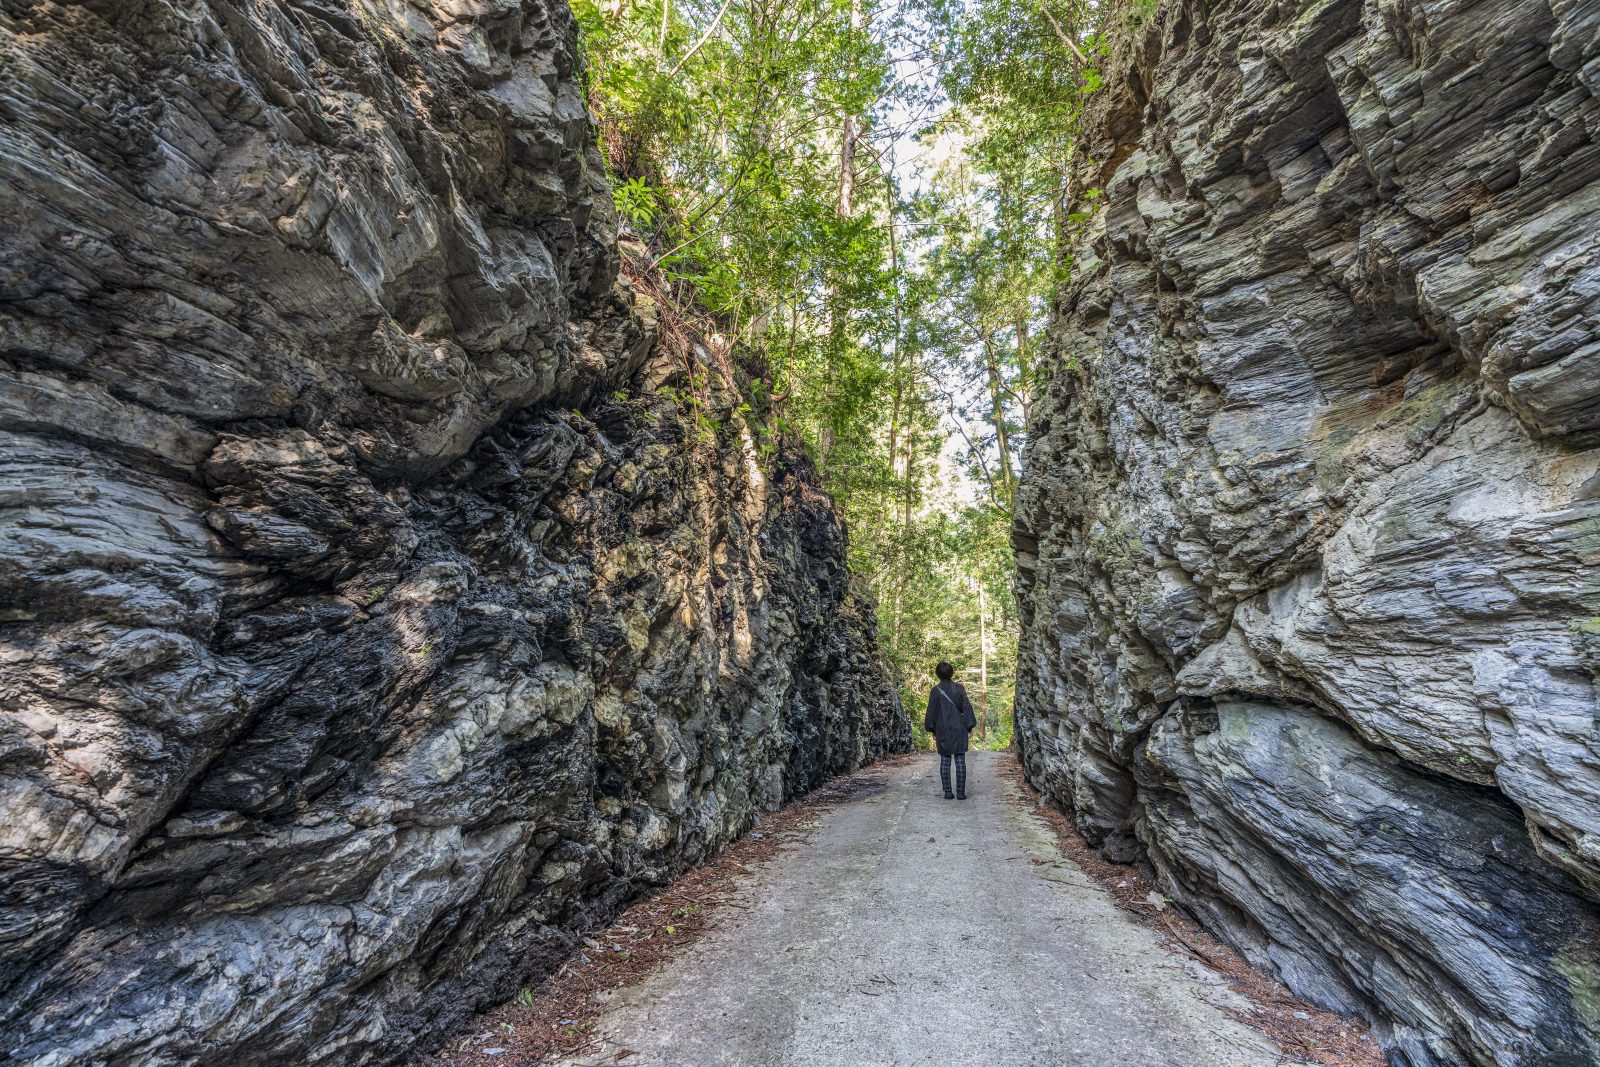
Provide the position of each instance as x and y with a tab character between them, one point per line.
689	400
636	200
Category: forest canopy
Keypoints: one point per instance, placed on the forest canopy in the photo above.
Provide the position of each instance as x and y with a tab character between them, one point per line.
873	201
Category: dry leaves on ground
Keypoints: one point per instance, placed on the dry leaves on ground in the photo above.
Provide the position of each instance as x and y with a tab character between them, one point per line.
555	1019
1307	1033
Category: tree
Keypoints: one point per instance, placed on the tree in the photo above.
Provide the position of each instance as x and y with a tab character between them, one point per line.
752	144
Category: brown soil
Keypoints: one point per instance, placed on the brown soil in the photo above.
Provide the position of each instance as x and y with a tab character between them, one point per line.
1304	1032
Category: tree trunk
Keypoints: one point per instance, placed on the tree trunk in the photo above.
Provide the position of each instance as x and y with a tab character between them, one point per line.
847	168
908	480
983	660
847	146
895	378
838	313
1024	371
997	417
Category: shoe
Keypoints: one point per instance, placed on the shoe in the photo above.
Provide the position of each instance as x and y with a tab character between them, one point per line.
949	796
961	796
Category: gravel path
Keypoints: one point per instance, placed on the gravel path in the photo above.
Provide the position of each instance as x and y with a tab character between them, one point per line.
916	930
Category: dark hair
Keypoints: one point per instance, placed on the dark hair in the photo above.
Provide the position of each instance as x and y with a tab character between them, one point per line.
944	671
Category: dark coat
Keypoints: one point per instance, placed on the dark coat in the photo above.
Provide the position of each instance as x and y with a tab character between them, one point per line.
950	718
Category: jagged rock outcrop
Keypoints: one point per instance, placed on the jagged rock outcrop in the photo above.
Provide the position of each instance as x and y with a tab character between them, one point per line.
1311	521
380	604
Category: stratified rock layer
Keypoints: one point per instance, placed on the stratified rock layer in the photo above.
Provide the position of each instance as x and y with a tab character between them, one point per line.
1311	522
379	604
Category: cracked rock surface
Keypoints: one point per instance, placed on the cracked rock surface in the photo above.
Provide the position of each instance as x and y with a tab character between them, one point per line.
1309	539
374	617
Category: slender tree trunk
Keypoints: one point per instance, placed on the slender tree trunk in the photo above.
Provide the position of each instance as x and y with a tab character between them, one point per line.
781	395
983	660
997	416
894	428
909	478
847	168
1024	371
1061	206
897	380
847	145
894	629
838	313
703	38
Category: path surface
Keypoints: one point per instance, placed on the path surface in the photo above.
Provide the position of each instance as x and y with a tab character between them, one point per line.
874	945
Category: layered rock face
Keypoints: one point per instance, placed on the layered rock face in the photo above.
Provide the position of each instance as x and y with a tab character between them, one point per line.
1310	534
380	604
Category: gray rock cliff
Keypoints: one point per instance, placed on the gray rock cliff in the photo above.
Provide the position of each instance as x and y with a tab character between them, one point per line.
1309	539
381	605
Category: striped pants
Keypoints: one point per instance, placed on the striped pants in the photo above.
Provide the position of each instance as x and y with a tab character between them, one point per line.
961	773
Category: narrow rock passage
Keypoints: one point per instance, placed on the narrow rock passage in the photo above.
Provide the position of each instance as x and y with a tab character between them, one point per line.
915	930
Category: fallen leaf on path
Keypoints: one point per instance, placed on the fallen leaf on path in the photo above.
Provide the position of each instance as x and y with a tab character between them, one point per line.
557	1024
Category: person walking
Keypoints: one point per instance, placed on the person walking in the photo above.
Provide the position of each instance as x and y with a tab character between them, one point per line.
950	720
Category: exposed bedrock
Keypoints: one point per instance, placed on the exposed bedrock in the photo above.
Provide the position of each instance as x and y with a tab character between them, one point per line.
380	604
1310	531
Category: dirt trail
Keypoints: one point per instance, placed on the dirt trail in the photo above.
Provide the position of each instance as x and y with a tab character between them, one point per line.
915	930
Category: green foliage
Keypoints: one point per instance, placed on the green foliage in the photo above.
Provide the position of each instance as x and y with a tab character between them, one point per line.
636	201
1020	75
742	134
1139	12
950	597
691	401
753	144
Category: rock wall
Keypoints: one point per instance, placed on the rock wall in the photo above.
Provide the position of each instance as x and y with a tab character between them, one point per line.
380	603
1309	539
